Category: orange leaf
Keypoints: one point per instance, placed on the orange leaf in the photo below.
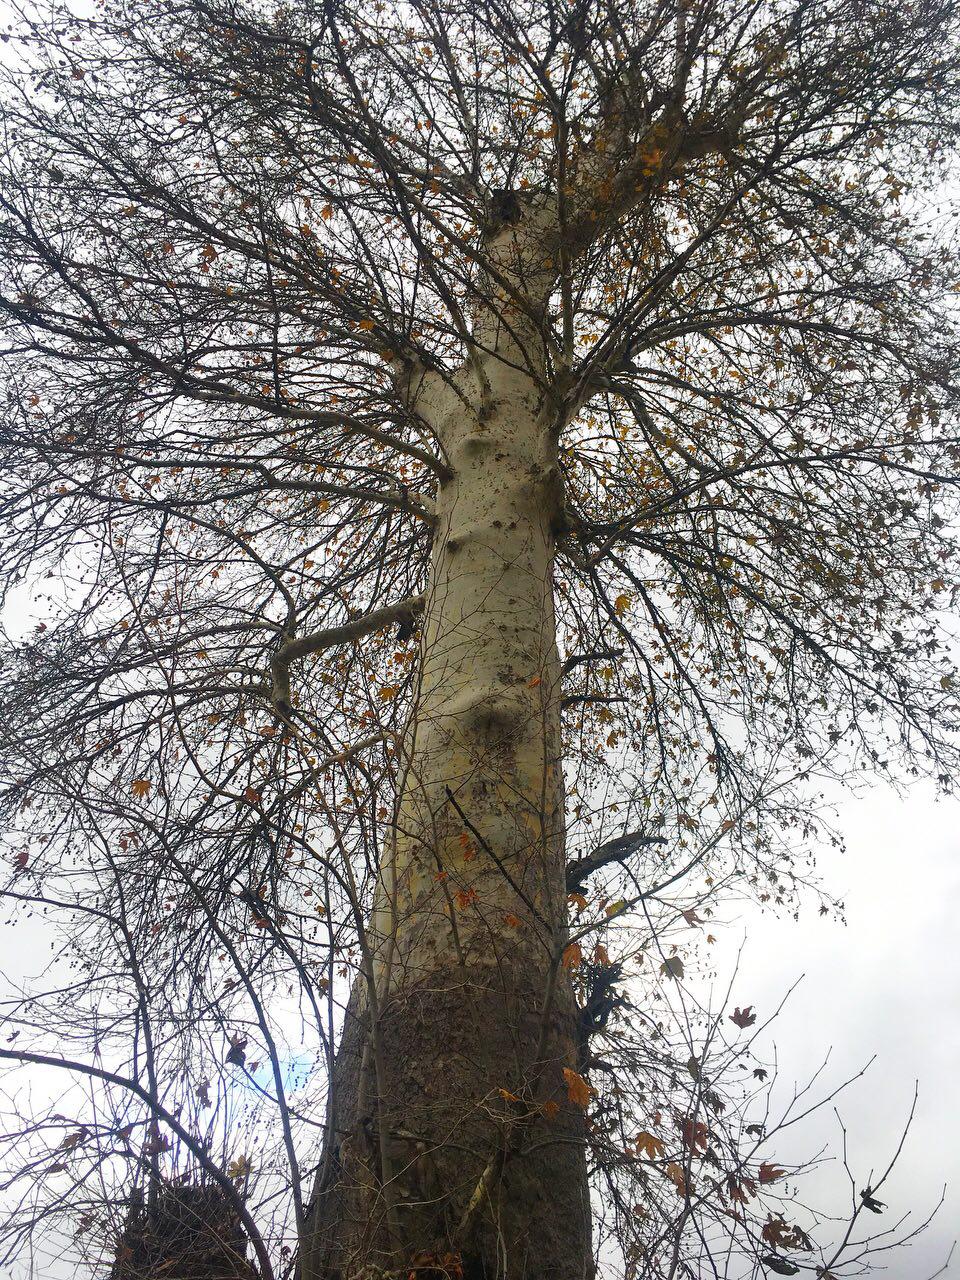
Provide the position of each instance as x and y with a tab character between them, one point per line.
550	1110
532	684
141	787
652	1145
388	692
676	1176
512	921
366	324
572	955
578	1091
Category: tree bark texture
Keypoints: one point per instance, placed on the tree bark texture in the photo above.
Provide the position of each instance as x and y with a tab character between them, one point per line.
453	1141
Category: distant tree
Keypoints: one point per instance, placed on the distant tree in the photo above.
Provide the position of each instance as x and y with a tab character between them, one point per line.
476	470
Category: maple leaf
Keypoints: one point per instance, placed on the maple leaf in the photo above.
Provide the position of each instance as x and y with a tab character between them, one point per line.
578	1091
691	917
388	692
572	955
237	1053
770	1173
20	861
743	1017
740	1191
465	897
239	1168
672	967
677	1177
869	1202
251	795
578	900
652	1145
694	1133
621	604
141	787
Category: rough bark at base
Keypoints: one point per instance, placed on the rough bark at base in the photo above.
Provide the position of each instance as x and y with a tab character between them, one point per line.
455	1148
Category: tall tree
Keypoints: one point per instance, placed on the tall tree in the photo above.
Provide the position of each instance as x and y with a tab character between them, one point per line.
480	466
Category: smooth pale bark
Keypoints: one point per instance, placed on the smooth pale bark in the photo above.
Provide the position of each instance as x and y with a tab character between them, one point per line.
459	1033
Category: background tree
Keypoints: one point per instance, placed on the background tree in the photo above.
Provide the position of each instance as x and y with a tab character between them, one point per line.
482	467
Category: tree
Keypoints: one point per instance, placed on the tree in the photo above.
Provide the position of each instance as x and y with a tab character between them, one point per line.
482	466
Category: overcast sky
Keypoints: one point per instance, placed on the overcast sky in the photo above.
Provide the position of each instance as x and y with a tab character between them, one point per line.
887	984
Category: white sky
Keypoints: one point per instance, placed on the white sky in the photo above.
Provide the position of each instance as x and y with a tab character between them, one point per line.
887	984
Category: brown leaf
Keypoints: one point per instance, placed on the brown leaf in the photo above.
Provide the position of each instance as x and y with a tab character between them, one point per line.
251	795
578	1091
237	1053
677	1177
743	1017
572	955
770	1173
672	967
141	787
652	1145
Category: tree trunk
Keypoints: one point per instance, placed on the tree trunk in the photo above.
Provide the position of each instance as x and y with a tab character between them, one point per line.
453	1139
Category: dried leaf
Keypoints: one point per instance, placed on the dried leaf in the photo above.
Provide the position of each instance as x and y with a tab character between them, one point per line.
649	1143
743	1017
578	1091
141	787
572	955
672	967
770	1173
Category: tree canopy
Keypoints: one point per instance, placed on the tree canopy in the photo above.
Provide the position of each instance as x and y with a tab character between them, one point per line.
258	262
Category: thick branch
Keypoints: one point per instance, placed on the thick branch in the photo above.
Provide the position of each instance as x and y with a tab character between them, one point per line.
616	850
404	612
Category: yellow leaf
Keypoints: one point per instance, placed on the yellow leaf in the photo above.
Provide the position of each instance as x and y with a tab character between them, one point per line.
651	1144
621	604
578	1091
616	908
508	1096
238	1168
